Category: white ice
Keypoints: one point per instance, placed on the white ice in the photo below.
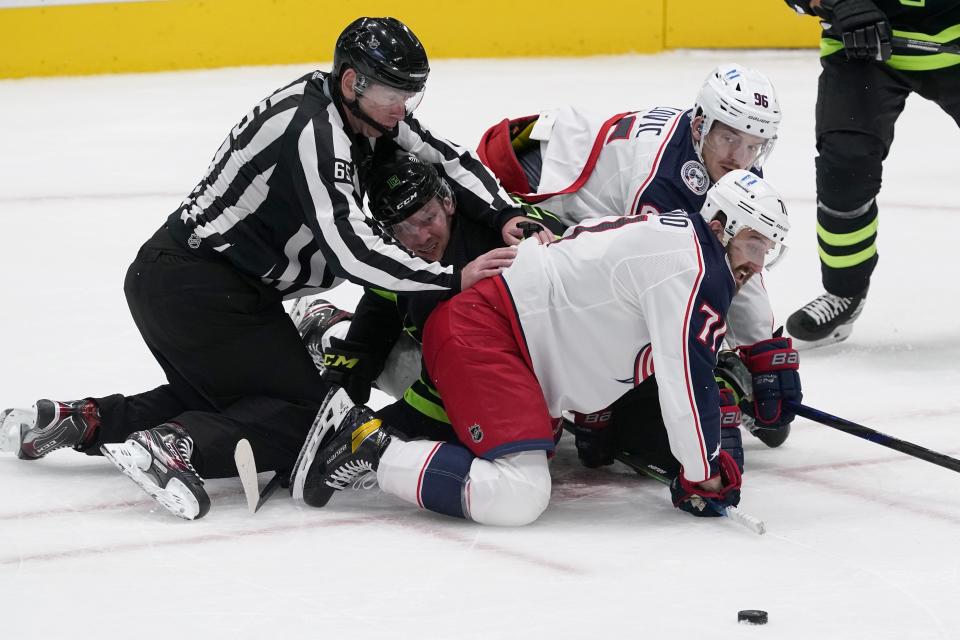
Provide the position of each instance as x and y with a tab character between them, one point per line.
862	541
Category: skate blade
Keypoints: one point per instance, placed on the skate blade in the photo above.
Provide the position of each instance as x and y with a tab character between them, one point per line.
14	423
335	407
131	458
247	470
839	334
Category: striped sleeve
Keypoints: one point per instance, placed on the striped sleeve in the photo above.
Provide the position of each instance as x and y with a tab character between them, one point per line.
684	330
333	211
461	165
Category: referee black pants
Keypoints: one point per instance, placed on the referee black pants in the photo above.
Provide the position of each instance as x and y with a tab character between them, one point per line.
235	365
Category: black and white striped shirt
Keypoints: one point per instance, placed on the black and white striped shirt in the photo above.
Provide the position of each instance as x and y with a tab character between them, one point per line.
282	198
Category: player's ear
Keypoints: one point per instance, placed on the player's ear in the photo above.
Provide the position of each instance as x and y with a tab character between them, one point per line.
717	227
347	78
697	127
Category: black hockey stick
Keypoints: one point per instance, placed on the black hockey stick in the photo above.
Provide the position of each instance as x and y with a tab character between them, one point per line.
883	439
922	45
656	473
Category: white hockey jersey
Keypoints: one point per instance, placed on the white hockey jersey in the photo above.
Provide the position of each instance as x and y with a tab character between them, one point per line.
628	164
615	300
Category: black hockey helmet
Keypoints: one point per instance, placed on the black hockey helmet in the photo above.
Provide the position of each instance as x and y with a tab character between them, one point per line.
400	188
384	50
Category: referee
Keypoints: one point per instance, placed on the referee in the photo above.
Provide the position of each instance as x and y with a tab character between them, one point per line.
278	214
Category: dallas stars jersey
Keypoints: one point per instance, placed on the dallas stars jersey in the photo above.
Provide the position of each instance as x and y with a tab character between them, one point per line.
935	21
632	163
616	298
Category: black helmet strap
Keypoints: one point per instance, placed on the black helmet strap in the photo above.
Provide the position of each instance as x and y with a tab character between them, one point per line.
354	106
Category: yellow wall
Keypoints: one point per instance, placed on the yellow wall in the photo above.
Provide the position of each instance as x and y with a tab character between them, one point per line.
189	34
754	23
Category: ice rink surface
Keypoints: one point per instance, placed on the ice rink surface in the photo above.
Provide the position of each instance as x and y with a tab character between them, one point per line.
862	541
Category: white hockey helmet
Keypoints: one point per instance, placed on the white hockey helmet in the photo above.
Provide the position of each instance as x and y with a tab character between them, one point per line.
748	200
742	99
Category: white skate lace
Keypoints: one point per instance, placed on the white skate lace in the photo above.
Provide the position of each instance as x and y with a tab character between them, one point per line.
184	447
348	472
827	307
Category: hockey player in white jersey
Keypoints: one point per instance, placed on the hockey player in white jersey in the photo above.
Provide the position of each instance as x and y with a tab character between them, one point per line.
580	165
511	354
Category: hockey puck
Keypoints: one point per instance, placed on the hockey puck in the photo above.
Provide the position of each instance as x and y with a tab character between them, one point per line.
752	616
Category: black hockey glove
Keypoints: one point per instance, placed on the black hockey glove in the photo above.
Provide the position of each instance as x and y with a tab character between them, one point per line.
693	499
863	28
348	365
593	437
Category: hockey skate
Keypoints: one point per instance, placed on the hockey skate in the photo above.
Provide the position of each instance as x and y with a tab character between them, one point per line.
313	317
334	409
158	460
825	320
48	426
347	452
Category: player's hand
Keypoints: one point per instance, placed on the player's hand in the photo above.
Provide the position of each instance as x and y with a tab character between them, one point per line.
710	498
775	366
491	263
864	29
513	234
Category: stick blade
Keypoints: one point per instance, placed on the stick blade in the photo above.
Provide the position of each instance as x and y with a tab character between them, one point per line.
247	470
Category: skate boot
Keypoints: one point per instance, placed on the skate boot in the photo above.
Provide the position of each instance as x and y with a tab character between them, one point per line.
334	409
348	452
48	426
313	318
158	460
825	320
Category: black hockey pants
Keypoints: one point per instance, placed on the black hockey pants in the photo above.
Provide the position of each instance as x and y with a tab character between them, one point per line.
858	104
235	365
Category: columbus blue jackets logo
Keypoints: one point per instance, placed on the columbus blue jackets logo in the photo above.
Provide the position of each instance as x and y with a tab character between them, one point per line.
476	433
695	177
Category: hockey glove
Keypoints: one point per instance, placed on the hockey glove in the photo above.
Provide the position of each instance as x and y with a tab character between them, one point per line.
864	29
693	499
775	365
348	365
731	440
594	438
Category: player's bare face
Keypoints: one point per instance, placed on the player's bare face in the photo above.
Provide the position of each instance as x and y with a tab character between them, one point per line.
726	149
747	252
427	232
